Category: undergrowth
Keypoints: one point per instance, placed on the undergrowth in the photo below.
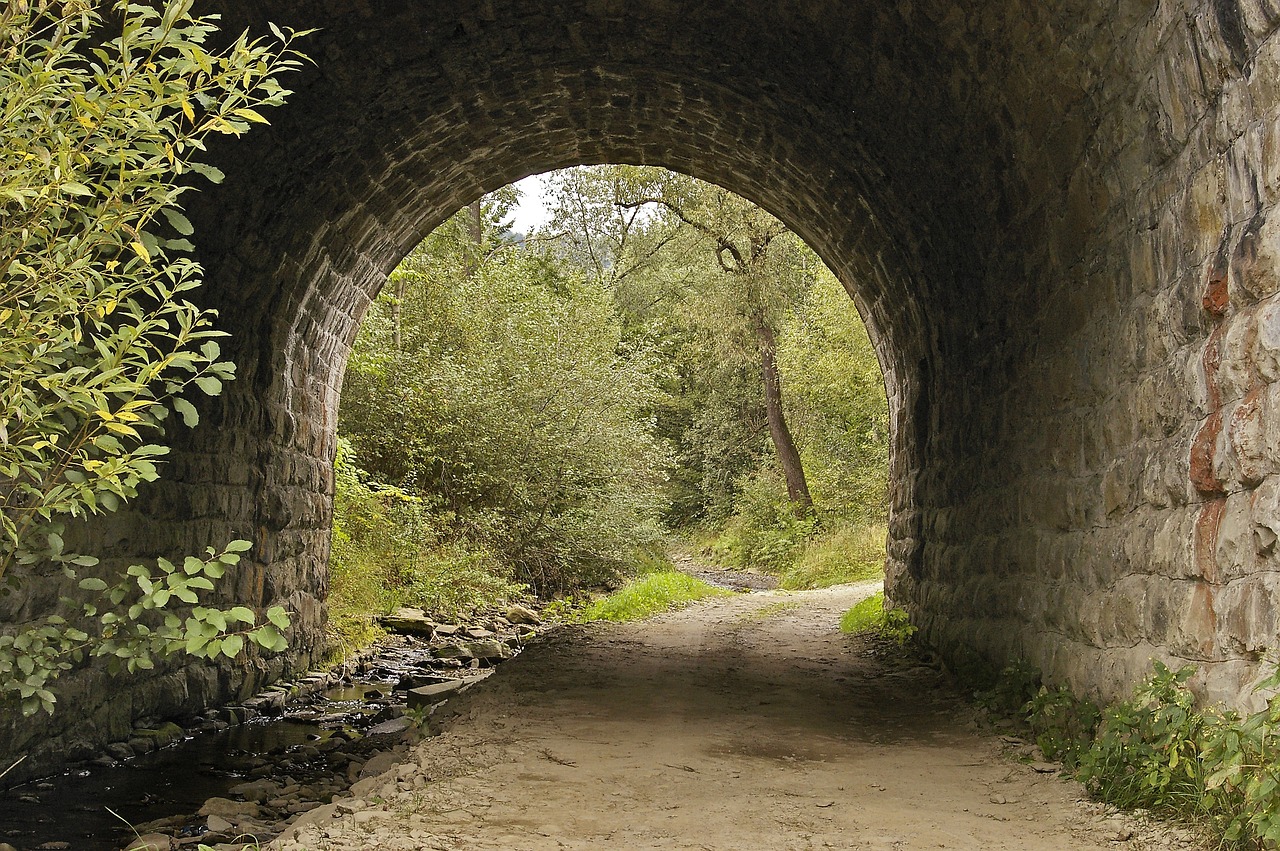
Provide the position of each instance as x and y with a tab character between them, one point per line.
871	616
649	595
1159	751
802	553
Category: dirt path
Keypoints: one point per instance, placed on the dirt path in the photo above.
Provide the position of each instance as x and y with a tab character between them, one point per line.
743	723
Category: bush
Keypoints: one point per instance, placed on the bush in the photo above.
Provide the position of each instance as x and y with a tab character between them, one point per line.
847	553
389	549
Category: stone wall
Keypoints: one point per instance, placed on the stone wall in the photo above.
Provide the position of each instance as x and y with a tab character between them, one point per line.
1053	215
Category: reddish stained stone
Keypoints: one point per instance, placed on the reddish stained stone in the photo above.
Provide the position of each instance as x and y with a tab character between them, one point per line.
1215	289
1206	539
1212	361
1202	449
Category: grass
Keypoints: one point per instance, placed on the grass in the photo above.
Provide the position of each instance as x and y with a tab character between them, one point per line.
866	616
649	595
848	553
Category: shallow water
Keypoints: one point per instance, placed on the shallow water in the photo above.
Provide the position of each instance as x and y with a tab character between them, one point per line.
88	807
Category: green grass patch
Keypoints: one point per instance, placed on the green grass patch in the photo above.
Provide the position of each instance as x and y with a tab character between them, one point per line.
871	616
866	616
851	553
650	595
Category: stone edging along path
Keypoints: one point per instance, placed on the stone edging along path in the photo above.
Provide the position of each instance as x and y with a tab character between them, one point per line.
739	723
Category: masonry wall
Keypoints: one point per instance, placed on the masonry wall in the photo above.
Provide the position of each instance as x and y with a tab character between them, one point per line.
1055	216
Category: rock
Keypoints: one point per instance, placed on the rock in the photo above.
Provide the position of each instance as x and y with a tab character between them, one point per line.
150	842
427	695
407	621
161	737
1044	767
488	650
5	846
519	614
479	632
447	630
390	728
119	750
229	809
217	824
256	790
452	651
378	764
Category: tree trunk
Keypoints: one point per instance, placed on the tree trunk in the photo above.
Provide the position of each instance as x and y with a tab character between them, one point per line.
788	455
396	312
476	229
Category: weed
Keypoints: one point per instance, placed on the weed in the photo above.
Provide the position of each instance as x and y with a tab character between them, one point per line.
1158	751
650	595
871	616
847	553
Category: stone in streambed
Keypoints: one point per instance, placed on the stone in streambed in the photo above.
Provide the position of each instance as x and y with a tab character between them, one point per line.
427	695
520	614
151	842
407	621
229	809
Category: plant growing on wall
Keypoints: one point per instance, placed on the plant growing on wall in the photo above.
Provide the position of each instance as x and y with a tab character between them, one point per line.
105	109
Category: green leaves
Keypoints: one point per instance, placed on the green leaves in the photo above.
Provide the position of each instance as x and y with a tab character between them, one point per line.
99	341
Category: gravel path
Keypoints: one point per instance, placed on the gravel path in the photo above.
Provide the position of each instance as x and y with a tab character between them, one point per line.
747	722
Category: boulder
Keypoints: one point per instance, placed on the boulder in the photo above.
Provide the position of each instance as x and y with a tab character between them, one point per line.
519	614
151	842
229	809
427	695
256	790
489	650
407	621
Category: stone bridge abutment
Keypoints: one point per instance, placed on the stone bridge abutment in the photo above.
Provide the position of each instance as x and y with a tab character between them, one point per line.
1057	217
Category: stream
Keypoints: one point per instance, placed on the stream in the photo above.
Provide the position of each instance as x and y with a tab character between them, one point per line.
269	769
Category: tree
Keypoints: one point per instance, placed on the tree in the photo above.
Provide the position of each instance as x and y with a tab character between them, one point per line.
511	402
764	265
103	119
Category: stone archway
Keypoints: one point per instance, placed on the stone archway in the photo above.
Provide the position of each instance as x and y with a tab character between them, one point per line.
1054	216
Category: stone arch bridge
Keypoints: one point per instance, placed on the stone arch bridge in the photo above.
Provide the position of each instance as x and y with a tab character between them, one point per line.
1057	217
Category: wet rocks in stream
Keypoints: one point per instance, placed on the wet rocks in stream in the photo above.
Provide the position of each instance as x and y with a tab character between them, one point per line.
322	739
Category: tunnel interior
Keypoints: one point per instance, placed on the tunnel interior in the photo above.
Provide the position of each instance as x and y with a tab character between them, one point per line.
1053	216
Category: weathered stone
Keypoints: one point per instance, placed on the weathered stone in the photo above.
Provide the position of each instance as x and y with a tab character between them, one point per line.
523	615
408	621
434	693
151	842
229	809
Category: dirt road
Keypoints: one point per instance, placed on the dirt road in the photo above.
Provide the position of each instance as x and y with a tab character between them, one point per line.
749	722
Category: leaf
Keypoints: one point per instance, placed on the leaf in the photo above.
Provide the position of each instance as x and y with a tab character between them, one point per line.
278	616
93	584
141	251
232	645
179	222
242	614
210	385
186	410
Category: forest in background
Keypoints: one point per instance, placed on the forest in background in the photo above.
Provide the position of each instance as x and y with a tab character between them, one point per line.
547	413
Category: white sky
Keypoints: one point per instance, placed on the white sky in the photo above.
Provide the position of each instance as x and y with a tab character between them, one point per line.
531	213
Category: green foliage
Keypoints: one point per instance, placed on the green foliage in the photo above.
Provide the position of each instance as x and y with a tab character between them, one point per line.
501	392
1063	724
101	133
1159	751
849	552
650	595
1012	688
389	549
871	616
